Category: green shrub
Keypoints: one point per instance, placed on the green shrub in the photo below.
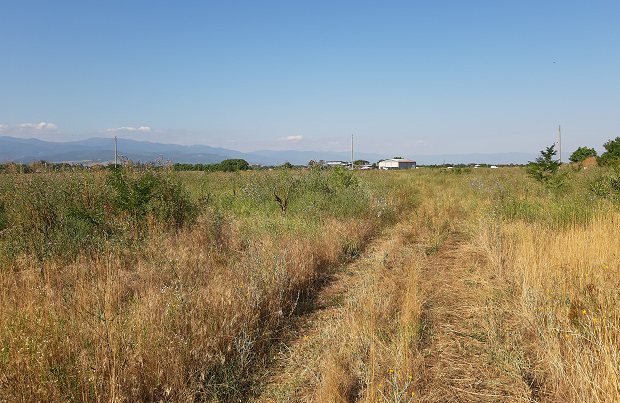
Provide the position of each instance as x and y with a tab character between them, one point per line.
611	156
582	153
344	177
151	193
49	215
545	168
64	215
607	186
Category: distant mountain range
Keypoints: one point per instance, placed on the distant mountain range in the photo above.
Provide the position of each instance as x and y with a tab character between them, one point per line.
102	150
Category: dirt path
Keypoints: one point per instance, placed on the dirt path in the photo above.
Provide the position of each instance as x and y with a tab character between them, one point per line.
466	346
469	356
294	372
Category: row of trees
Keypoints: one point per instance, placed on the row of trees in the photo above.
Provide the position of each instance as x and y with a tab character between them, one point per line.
36	166
611	156
545	167
230	165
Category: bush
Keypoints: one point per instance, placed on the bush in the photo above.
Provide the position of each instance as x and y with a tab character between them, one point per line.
151	193
545	167
47	215
344	177
611	156
582	153
607	187
64	215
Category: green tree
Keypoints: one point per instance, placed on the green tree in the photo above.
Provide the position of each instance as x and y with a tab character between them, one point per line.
360	162
582	153
545	167
344	177
611	156
233	165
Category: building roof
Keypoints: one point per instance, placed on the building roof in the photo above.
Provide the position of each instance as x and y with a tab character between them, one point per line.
399	160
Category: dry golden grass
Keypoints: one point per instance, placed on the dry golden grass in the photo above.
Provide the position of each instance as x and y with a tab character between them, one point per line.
491	289
182	320
380	340
567	283
356	335
457	303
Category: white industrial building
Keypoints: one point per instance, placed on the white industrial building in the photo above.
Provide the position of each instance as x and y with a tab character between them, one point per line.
397	163
332	164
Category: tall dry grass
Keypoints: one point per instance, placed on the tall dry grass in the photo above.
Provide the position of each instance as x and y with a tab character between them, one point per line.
189	312
177	323
535	288
369	347
567	288
372	351
184	313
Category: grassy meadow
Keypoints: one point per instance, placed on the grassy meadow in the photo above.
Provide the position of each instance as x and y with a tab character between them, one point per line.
146	284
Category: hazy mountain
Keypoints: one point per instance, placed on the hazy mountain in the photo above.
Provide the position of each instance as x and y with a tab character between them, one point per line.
481	158
102	150
476	158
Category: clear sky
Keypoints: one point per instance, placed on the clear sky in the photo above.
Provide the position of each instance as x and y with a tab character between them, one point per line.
410	77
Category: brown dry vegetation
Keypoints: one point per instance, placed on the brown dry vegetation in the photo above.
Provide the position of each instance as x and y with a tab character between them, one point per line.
462	285
181	314
489	291
567	284
414	324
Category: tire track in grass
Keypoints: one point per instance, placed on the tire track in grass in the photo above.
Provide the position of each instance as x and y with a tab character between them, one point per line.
295	370
465	347
468	356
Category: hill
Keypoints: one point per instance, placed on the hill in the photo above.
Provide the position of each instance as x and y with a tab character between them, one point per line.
100	149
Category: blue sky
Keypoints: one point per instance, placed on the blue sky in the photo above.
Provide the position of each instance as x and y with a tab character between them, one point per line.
411	77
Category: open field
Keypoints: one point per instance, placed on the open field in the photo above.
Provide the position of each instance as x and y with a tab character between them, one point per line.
318	285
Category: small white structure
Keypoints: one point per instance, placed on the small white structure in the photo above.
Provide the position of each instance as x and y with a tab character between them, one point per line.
337	164
397	163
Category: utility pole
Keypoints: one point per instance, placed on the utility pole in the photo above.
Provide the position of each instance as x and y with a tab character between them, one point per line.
351	151
115	151
560	142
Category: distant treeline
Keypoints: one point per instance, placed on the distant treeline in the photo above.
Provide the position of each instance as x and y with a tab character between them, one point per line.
40	166
231	165
611	157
